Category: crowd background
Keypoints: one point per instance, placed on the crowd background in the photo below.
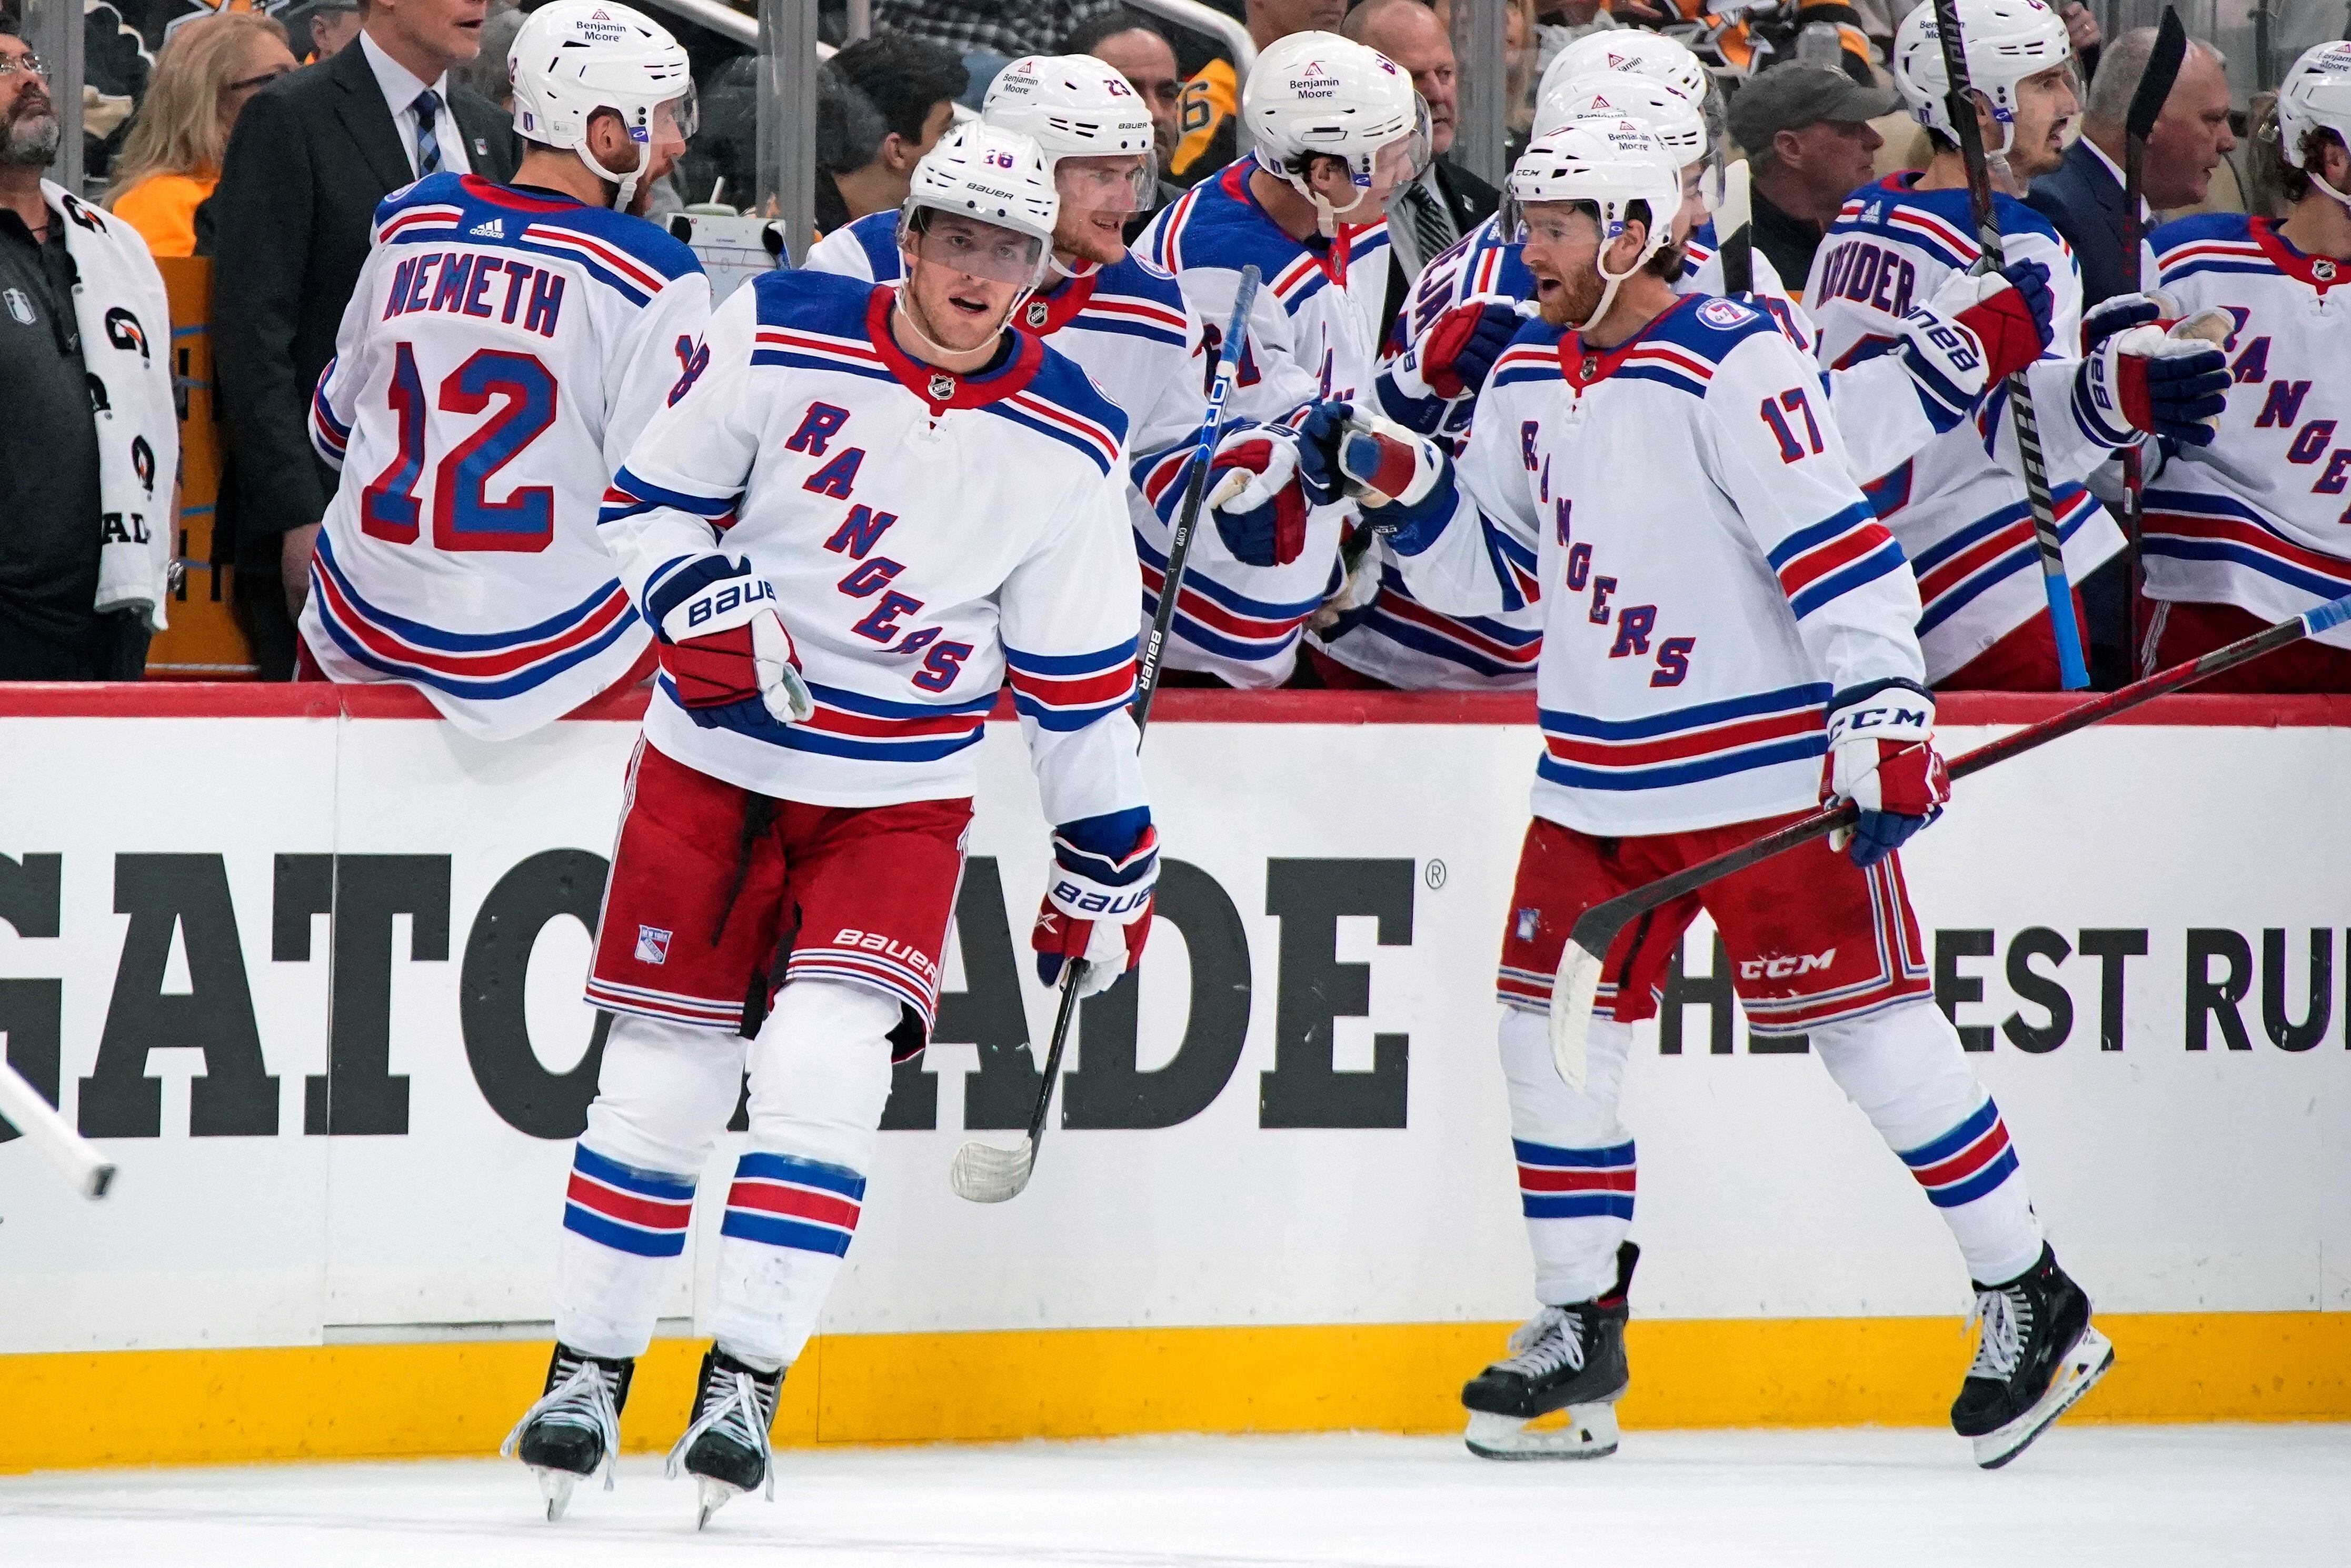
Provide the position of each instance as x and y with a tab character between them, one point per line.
168	81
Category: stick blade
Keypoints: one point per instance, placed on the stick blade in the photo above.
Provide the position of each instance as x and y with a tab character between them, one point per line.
982	1173
1574	991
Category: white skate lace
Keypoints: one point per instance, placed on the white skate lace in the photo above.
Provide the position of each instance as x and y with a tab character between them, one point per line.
1545	1343
584	1398
2007	1319
745	1419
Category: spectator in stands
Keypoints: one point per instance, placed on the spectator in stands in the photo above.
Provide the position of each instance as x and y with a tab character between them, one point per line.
1445	201
290	222
319	29
987	35
89	447
1213	96
208	71
1135	49
2083	200
912	85
1809	146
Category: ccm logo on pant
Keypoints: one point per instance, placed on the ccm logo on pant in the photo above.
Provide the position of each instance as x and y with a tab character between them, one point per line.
1785	967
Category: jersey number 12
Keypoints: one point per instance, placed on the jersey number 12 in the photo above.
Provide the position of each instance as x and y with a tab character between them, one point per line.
463	516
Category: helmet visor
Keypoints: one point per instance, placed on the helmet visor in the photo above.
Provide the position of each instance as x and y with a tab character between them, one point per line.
971	247
675	119
1123	184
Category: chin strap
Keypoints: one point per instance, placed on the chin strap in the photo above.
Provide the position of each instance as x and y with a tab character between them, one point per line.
1610	282
914	323
628	182
1326	216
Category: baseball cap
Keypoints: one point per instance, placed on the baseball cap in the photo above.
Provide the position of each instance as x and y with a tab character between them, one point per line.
1792	96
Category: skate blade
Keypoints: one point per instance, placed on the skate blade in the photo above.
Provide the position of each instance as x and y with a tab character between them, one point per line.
1589	1433
710	1496
2092	1355
556	1486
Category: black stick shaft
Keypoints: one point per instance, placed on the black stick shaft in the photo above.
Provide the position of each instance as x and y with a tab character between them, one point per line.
2145	108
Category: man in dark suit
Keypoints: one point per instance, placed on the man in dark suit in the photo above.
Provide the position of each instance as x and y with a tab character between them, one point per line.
1445	201
289	227
2084	198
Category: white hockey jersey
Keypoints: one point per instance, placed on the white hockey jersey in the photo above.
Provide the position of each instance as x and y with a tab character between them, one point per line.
1959	505
927	535
2262	517
1709	569
1313	334
1126	325
497	359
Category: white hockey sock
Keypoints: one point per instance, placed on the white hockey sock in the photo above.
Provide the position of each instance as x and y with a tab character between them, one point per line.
1905	1070
1575	1159
662	1096
819	1077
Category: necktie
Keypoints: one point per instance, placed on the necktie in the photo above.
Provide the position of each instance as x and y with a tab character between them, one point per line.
428	146
1430	226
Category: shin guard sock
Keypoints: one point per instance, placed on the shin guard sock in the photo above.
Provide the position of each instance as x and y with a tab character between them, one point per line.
622	1230
1574	1159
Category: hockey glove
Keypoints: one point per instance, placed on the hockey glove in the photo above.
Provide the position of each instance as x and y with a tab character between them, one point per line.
2139	378
723	648
1976	332
1258	507
1455	356
1097	907
1882	758
1403	482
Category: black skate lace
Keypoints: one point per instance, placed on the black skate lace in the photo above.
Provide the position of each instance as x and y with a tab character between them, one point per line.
739	1413
1550	1340
2007	1319
583	1398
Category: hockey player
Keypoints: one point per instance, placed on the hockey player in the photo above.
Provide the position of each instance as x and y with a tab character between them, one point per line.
503	348
868	507
1727	638
1122	321
2251	528
1336	130
1959	506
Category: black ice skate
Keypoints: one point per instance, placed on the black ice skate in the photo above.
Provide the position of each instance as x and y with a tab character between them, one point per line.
725	1447
1567	1358
575	1428
2038	1354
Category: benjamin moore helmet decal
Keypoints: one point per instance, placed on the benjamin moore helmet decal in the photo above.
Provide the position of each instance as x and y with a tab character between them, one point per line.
122	330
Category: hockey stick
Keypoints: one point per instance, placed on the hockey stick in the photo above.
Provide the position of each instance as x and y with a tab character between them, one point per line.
1960	105
1577	983
2163	65
90	1172
1736	227
983	1173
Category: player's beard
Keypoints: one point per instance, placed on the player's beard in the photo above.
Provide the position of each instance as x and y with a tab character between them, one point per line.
1572	303
1080	237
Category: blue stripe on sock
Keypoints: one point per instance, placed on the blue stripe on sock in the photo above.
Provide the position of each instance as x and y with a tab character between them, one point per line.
805	1173
1578	1206
622	1238
1976	1185
1545	1155
771	1231
628	1178
1952	1141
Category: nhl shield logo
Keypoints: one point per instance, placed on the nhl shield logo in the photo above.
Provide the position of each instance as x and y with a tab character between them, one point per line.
1038	311
2322	269
943	386
20	305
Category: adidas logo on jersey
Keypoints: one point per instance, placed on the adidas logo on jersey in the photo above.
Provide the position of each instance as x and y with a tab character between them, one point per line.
490	228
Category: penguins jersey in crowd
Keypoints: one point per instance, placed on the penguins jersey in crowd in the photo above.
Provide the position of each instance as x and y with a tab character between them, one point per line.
1126	325
1313	334
926	535
1406	643
2262	517
497	359
1702	597
1959	505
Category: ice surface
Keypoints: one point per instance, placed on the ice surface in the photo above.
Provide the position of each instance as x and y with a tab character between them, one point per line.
2086	1496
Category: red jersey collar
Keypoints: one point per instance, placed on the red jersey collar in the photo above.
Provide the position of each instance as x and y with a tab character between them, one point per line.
507	196
1333	259
1045	314
943	389
2321	272
1582	366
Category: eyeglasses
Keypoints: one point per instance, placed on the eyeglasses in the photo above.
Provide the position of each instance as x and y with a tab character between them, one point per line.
254	84
32	65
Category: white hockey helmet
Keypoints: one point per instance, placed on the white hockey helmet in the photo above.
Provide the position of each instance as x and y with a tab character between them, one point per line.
2316	96
1626	49
2007	41
1320	94
1679	124
997	177
576	56
1607	164
1075	106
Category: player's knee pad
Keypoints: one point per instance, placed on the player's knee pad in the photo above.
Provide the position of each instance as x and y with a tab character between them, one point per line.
1904	1068
663	1093
1544	1109
820	1072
